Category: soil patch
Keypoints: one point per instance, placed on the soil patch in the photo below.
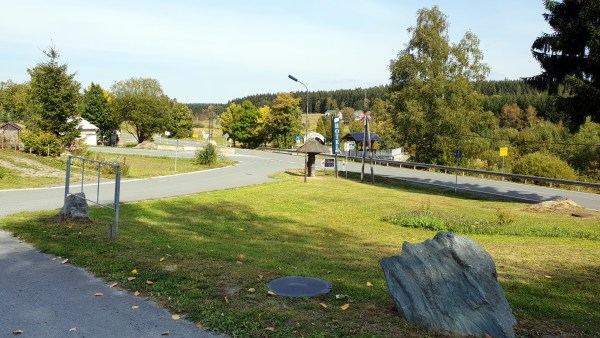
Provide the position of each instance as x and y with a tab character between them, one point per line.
551	206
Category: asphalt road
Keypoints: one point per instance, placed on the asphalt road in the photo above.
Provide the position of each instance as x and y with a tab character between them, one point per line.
45	298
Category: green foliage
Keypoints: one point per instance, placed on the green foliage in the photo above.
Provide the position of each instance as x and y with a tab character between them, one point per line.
96	109
142	103
543	165
284	121
569	57
241	122
585	156
14	101
348	115
55	97
433	101
181	120
42	143
207	155
324	127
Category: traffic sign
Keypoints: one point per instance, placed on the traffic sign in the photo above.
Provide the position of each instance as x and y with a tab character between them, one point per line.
504	151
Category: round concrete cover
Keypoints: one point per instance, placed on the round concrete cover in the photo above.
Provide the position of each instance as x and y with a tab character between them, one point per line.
296	286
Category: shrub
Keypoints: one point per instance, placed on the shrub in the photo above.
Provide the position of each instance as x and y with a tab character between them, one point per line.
543	165
41	143
207	155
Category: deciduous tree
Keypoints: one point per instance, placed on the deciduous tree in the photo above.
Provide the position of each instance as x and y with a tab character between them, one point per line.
181	120
285	120
142	103
96	109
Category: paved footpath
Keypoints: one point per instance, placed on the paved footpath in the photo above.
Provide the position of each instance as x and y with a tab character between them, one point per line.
45	298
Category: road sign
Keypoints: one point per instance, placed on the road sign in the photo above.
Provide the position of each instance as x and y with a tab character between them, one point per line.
328	163
504	151
195	136
297	138
335	126
457	154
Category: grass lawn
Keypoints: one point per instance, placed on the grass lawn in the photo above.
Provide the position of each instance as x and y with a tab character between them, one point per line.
22	170
210	255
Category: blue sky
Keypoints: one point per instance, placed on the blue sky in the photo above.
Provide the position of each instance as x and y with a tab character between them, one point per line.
214	51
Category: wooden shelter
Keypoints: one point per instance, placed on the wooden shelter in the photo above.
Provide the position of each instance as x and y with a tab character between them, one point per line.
359	137
9	135
312	148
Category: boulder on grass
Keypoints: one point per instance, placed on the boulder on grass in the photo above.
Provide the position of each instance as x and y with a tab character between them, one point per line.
75	208
449	284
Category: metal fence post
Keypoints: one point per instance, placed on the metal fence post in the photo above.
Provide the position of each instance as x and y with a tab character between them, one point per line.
113	231
67	186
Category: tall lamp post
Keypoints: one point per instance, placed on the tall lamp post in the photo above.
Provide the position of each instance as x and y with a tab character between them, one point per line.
306	123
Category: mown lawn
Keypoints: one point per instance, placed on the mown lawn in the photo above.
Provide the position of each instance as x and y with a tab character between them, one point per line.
37	171
205	253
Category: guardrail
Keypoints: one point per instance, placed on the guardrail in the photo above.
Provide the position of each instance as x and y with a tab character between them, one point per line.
416	165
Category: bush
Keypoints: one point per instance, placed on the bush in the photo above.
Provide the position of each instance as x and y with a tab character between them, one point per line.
41	143
207	155
543	165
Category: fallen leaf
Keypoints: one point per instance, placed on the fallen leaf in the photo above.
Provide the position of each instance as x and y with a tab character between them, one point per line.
73	329
130	278
113	285
166	333
161	259
345	307
175	317
548	277
18	331
271	293
149	282
98	294
323	305
369	284
135	307
64	261
136	293
199	325
53	258
252	290
239	262
259	277
134	272
269	328
241	257
226	300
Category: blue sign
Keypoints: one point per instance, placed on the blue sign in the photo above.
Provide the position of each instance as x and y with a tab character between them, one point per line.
297	138
335	128
457	154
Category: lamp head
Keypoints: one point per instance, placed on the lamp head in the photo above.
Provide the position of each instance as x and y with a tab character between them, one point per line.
293	78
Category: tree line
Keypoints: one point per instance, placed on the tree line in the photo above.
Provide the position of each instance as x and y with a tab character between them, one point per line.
51	105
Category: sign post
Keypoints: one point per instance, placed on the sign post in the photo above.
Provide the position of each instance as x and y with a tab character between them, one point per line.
503	154
457	155
335	142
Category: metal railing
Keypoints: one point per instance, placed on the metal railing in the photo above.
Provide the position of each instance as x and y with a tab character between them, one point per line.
416	165
113	229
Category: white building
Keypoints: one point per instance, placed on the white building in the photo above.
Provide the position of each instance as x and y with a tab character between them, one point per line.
88	132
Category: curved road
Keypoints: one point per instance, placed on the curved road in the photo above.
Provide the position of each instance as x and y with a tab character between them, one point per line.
45	298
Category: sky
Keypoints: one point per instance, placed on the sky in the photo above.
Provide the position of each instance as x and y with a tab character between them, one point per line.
215	51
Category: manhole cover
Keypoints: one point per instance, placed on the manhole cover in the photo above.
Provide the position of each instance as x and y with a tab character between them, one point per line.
296	286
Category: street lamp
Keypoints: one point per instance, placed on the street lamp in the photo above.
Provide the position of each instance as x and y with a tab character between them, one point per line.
306	123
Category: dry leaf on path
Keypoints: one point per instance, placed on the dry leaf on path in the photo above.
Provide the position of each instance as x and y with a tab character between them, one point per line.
64	261
73	329
175	317
18	331
136	293
130	278
199	325
345	307
166	333
271	293
323	305
98	294
113	285
226	300
135	307
252	290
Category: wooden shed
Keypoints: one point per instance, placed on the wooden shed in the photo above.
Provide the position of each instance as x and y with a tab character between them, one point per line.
9	135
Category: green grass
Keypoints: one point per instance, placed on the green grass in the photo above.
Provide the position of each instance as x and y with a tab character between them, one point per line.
200	249
137	166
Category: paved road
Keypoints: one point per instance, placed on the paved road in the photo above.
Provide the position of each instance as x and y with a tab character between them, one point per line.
45	298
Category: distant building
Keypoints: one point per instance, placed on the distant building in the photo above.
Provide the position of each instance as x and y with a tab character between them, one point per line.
9	135
88	132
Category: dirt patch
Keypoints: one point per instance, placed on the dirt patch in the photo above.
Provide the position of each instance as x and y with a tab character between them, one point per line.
31	168
551	206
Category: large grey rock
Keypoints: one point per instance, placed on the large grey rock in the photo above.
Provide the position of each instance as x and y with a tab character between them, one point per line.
75	208
449	284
